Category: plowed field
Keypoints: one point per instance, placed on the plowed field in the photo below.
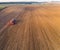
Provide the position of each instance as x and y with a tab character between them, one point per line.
37	28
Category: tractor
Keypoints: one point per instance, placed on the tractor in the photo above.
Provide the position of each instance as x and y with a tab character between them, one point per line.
12	22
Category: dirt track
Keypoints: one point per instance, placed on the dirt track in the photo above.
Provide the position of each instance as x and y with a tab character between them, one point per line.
37	28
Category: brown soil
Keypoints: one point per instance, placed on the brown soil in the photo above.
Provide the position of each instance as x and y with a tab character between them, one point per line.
37	28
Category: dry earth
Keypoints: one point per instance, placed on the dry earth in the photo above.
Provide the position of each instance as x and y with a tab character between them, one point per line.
37	28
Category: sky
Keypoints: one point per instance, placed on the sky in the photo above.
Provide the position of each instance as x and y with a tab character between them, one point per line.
26	0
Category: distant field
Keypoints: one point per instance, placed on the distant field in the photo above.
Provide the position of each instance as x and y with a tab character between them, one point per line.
2	6
5	5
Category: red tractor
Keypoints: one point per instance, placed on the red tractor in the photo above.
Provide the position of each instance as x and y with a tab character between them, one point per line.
12	22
